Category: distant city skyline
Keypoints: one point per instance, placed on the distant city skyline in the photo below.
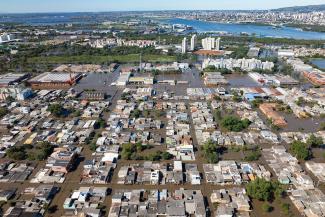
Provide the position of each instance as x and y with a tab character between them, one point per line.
29	6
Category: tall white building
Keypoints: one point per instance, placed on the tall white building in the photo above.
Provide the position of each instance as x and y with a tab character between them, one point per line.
208	43
211	43
193	42
6	38
184	45
218	44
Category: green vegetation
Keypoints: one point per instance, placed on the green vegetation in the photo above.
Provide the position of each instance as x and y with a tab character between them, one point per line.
217	114
97	59
16	153
212	68
263	71
322	126
158	72
163	38
284	108
307	27
253	156
264	190
256	103
267	208
57	110
285	207
136	113
242	40
100	123
158	156
3	111
39	151
134	151
233	123
210	152
285	69
44	57
300	150
239	53
314	142
300	101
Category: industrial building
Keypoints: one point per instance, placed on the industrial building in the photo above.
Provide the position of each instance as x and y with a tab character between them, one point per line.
50	80
269	110
11	79
278	80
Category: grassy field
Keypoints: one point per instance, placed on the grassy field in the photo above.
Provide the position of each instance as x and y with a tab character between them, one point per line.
130	58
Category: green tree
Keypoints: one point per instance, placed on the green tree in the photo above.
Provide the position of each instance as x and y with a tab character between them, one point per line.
101	123
136	113
3	111
285	208
232	123
267	208
16	153
314	141
57	110
127	150
256	103
253	156
45	149
166	155
210	152
260	189
300	150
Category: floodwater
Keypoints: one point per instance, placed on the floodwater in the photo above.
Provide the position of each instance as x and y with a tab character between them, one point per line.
241	81
308	125
319	62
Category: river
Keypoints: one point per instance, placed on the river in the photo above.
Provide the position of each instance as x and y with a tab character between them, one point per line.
319	62
258	30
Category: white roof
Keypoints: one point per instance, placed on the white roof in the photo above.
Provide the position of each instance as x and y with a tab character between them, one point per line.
75	195
109	157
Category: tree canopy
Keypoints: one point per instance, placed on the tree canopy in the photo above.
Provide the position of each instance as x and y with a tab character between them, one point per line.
210	152
264	190
232	123
300	150
314	141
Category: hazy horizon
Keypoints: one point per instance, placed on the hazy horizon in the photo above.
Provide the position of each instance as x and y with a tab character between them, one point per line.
61	6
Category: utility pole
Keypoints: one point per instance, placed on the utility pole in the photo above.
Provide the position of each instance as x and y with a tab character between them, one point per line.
140	66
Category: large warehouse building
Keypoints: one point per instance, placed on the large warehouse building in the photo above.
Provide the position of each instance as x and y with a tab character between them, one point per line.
51	80
12	79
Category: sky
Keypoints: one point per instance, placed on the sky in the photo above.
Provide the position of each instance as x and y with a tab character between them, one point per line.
23	6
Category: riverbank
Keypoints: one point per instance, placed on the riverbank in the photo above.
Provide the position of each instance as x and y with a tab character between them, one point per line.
250	29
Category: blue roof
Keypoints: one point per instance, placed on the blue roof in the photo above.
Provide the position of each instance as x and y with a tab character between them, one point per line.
252	96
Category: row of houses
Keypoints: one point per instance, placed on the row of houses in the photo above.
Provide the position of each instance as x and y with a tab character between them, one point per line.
307	198
231	202
40	197
243	64
159	173
313	102
202	119
234	173
15	172
180	203
85	201
59	163
178	132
